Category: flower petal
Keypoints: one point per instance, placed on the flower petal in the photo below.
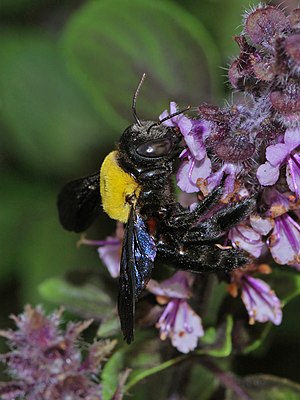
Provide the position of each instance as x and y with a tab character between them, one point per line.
173	107
276	153
177	287
261	225
181	121
247	239
292	138
293	174
111	256
195	138
267	174
187	329
196	145
190	171
260	301
284	242
163	115
184	124
214	179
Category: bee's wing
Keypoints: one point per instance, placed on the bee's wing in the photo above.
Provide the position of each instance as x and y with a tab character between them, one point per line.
138	254
79	203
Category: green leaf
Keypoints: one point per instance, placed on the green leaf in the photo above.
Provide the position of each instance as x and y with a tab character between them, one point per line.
222	19
50	126
286	283
256	336
17	5
110	374
110	326
139	375
216	292
266	387
86	300
16	196
201	381
109	44
220	348
217	343
33	244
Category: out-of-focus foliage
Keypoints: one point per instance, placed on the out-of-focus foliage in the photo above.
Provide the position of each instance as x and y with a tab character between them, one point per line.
15	6
42	108
265	387
158	38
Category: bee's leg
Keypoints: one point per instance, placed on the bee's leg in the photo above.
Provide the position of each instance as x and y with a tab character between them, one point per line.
205	258
217	225
212	226
179	215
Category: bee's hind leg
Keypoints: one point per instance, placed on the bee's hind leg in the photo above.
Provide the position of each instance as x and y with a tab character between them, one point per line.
201	258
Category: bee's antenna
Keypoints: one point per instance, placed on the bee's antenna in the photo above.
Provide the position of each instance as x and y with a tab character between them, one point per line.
174	115
136	118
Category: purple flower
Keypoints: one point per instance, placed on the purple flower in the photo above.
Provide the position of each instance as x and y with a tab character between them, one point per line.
178	321
261	225
230	171
46	362
284	242
109	249
282	154
284	239
261	302
195	163
181	121
110	254
190	171
246	238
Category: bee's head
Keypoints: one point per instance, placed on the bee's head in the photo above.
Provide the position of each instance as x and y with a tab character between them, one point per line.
149	142
148	148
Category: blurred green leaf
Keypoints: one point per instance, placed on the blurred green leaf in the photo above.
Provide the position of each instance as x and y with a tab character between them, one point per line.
109	44
51	128
88	301
217	291
46	249
17	5
217	343
201	383
222	19
110	374
138	375
16	196
33	244
147	357
286	283
266	387
110	326
256	335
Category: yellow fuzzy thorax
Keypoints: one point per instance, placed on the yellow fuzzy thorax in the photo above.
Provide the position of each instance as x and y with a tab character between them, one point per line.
115	186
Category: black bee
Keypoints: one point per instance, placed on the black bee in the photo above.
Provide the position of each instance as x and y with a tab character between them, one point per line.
135	186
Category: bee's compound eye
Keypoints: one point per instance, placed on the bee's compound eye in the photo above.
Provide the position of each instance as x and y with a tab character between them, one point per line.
155	148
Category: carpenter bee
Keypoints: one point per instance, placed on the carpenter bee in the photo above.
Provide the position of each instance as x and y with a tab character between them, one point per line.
136	188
